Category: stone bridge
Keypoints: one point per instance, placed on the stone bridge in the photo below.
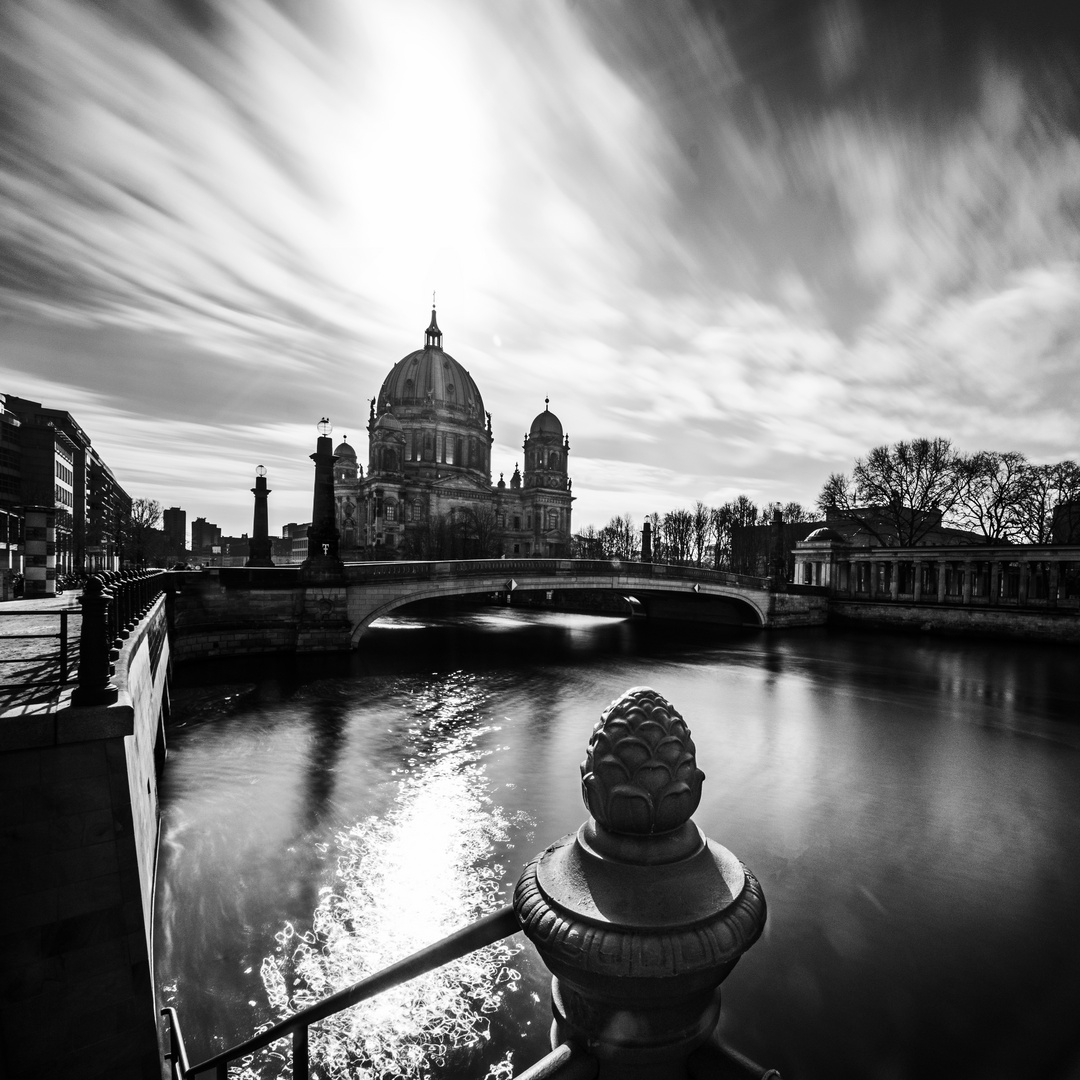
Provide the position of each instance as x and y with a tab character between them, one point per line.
235	610
660	589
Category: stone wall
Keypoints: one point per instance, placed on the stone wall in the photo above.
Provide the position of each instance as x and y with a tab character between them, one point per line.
1038	625
78	821
236	611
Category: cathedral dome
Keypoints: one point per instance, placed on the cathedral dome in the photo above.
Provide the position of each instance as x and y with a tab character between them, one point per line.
431	377
547	423
344	450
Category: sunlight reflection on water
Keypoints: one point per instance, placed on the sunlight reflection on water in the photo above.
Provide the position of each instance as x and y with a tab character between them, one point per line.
404	879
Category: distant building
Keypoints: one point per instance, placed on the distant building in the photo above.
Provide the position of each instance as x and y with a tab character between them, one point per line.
205	536
751	548
174	524
427	492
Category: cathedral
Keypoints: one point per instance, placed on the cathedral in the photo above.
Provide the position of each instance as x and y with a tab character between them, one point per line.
427	493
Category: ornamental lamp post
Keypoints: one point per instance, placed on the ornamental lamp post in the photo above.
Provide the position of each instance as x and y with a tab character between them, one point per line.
638	915
259	546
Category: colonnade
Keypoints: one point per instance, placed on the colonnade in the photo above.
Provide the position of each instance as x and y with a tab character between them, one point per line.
1008	576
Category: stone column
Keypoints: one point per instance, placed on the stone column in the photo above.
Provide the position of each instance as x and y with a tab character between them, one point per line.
894	585
39	551
259	546
871	580
916	584
322	562
646	542
638	916
966	597
942	567
995	582
1025	579
1054	584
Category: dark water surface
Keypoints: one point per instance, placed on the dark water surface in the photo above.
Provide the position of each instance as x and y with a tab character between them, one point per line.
911	806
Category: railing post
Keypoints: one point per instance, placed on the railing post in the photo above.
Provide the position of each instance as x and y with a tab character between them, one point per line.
639	916
95	669
300	1053
63	646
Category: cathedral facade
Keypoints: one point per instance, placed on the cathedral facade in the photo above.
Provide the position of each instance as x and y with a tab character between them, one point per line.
427	492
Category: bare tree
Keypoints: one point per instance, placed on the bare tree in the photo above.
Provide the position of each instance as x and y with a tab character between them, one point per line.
1043	488
140	538
899	493
701	530
619	538
790	513
678	534
991	490
587	544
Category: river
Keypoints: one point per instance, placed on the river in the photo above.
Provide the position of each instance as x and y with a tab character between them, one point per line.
910	804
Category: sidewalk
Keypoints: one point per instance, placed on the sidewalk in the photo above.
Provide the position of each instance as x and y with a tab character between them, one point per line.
35	661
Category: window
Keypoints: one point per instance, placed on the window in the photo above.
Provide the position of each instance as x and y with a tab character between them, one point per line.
450	450
440	448
389	511
517	523
409	446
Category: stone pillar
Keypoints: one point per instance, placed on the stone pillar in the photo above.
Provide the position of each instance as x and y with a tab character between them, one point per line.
942	568
871	581
1054	584
916	584
966	597
322	563
1025	580
638	916
39	551
995	582
259	545
777	555
894	585
646	542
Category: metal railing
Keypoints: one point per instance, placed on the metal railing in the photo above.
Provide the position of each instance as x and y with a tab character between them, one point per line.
50	669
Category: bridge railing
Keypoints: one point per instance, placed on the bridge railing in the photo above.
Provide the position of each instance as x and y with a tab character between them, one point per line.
433	569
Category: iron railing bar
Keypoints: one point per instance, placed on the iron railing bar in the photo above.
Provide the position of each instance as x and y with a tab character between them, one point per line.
178	1058
565	1062
63	646
485	931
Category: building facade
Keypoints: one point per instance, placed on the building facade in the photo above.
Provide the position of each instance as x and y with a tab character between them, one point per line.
427	491
47	461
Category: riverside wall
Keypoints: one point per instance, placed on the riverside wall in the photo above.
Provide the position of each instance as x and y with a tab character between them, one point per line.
79	829
1040	624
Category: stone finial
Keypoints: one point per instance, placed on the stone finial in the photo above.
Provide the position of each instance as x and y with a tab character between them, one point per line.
640	773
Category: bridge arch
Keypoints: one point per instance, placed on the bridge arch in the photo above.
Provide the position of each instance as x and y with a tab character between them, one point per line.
677	592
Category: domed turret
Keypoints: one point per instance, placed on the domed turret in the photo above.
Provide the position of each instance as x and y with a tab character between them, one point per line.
546	452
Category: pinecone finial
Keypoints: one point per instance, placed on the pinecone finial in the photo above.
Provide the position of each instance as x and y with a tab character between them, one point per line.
640	773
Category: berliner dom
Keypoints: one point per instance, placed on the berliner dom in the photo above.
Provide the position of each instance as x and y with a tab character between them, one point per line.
428	491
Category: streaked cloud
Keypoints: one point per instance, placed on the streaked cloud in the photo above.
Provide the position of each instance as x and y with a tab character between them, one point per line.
735	253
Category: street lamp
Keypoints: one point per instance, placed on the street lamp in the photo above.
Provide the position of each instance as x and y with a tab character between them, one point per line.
260	470
324	426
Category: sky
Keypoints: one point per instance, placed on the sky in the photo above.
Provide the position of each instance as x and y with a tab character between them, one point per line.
737	244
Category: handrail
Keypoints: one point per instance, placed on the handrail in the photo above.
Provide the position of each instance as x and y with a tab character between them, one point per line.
485	931
566	1062
61	634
